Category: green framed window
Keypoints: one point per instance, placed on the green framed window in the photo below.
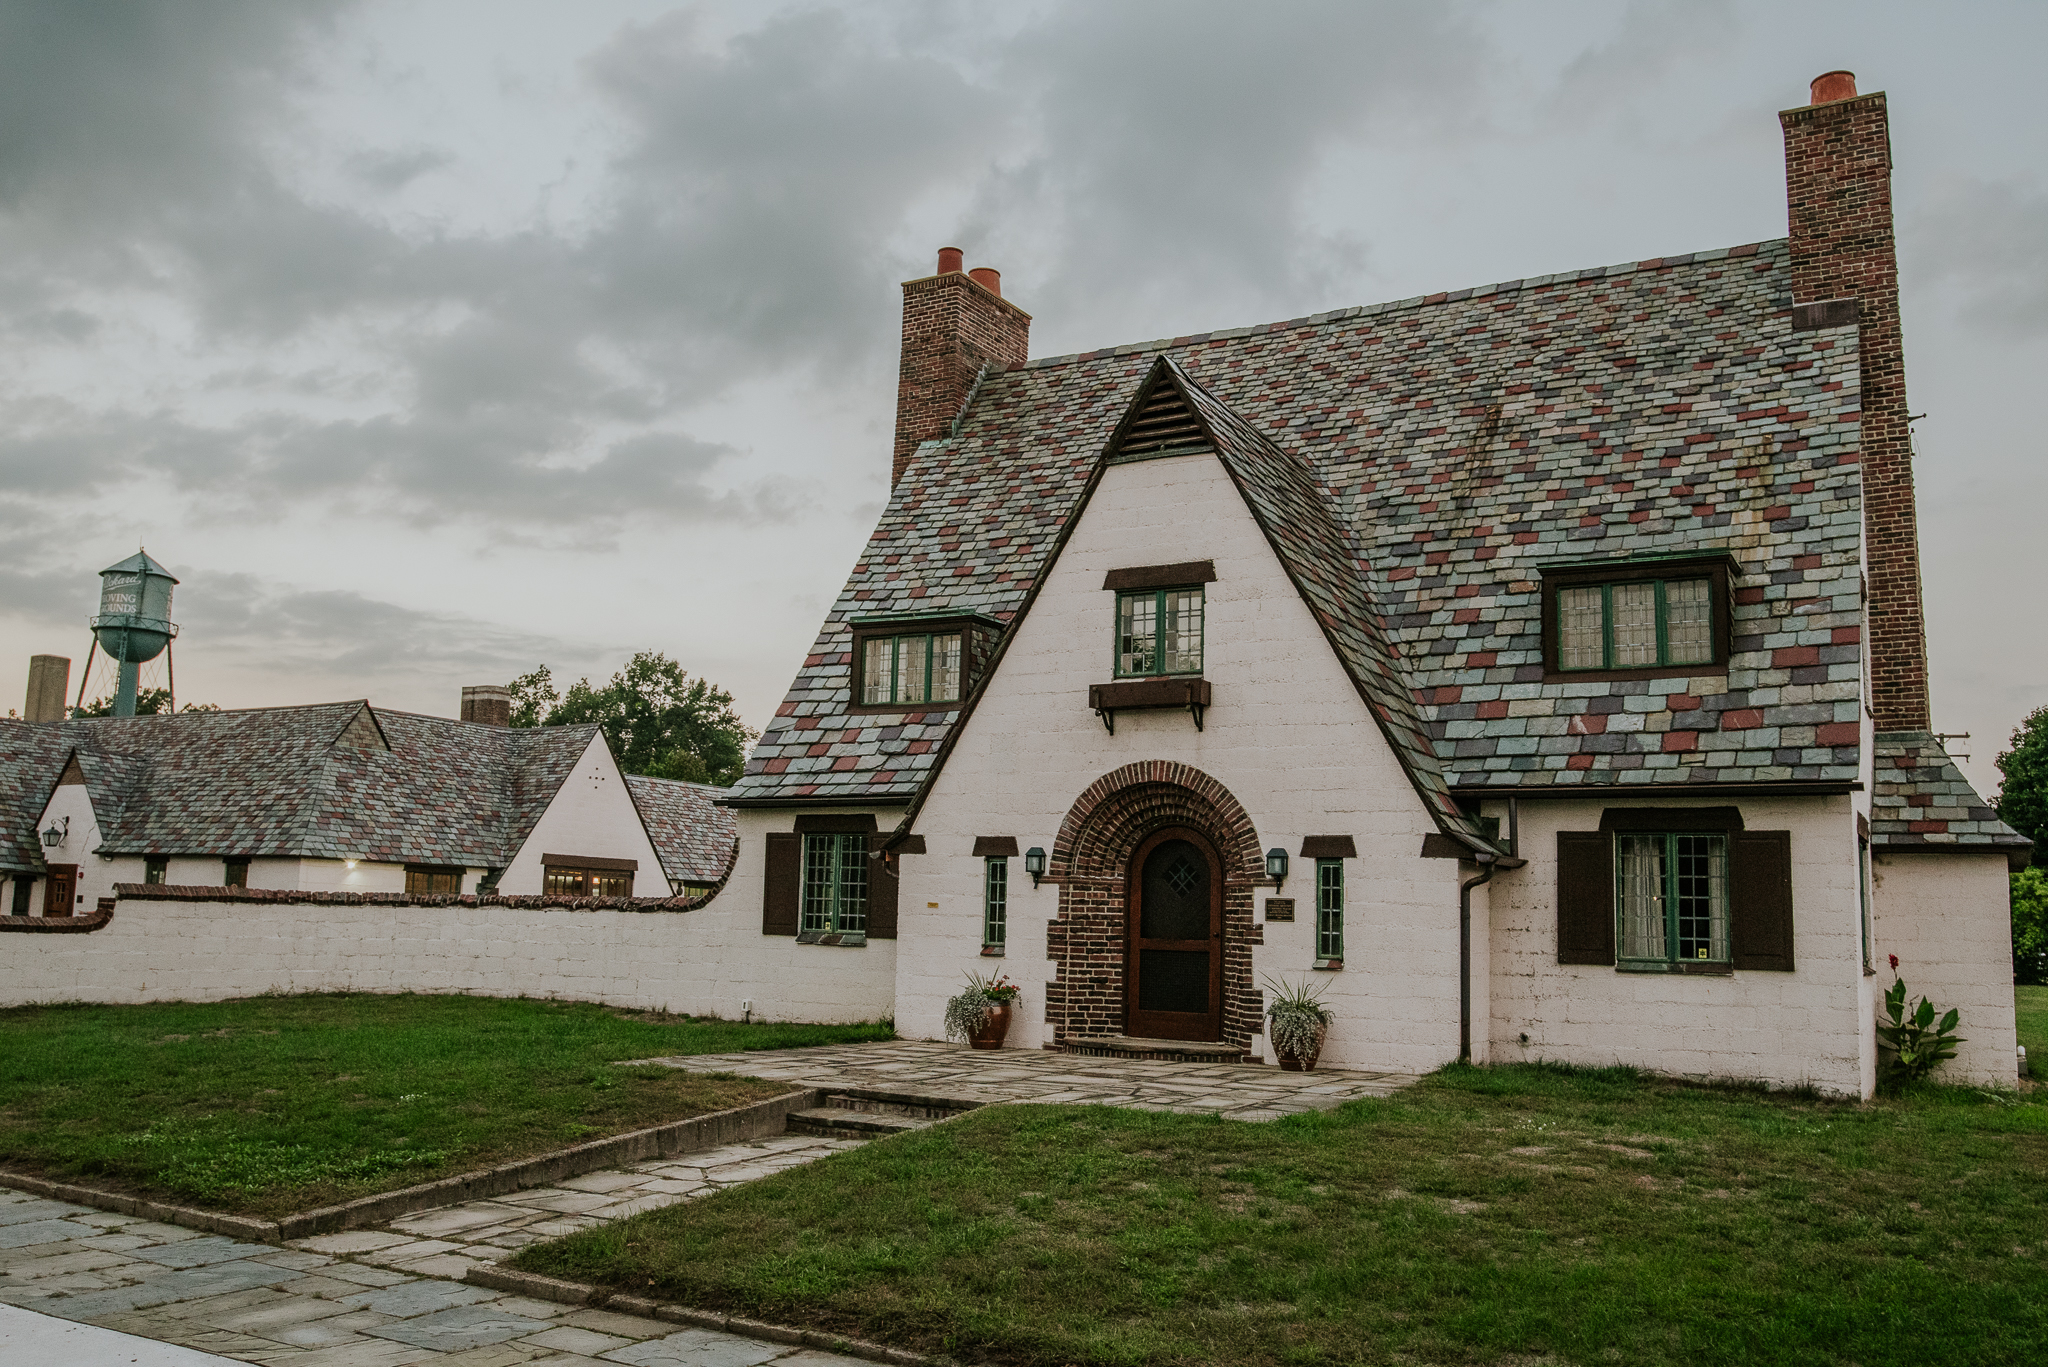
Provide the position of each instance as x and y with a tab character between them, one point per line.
1159	631
1329	909
1673	896
835	883
910	669
1635	624
995	903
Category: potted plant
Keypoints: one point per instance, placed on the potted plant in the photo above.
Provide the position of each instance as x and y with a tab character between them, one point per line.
980	1012
1297	1022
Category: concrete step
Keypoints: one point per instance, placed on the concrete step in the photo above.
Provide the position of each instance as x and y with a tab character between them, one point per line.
1162	1050
837	1120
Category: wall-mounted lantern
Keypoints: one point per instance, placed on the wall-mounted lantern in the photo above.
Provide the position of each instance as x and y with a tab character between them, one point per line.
57	834
1034	863
1276	866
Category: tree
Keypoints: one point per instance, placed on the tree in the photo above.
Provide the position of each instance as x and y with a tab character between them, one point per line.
2023	805
658	720
149	702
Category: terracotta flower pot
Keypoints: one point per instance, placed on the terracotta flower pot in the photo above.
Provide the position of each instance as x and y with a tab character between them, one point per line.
990	1036
1302	1063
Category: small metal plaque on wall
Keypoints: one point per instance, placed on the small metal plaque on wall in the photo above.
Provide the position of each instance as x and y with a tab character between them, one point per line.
1279	908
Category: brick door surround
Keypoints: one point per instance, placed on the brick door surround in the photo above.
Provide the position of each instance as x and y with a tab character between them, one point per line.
1090	862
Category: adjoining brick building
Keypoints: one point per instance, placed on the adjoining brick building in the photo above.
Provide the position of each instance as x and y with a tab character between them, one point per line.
1539	668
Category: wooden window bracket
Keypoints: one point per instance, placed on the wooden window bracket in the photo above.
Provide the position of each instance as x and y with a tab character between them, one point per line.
1148	694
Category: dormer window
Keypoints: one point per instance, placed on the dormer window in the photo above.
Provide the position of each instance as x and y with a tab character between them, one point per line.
920	668
1622	621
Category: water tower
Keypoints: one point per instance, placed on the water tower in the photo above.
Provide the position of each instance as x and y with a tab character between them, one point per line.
134	625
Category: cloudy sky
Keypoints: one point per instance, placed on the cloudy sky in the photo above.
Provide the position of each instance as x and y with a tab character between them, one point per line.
427	342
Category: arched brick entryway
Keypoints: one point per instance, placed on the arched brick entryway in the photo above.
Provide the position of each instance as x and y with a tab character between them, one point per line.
1090	859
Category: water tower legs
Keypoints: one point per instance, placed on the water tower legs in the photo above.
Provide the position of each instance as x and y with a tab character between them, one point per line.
124	694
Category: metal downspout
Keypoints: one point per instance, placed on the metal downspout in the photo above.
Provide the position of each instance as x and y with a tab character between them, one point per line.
1487	871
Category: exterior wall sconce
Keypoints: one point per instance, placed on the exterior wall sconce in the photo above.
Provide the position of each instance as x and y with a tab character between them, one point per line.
1276	866
57	834
1034	863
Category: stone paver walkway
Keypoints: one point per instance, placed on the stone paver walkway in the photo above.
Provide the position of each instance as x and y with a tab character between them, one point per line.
1242	1091
257	1303
448	1240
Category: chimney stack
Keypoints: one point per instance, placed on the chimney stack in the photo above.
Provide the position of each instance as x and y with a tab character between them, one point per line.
49	676
1838	181
487	704
954	327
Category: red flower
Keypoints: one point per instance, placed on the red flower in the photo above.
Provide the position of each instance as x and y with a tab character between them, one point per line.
1895	962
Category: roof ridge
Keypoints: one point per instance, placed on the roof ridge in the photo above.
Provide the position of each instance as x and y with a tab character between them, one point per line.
1415	301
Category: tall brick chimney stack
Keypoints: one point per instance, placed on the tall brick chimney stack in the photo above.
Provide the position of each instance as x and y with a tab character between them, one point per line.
954	324
1838	182
489	704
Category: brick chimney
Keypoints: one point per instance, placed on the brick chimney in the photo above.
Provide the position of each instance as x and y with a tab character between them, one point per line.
954	324
488	704
1838	183
48	678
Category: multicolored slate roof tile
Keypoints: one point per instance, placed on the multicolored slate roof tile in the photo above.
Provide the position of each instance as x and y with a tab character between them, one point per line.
1456	443
330	781
693	835
1920	800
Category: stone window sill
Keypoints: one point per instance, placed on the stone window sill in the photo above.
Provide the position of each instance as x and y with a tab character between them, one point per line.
1329	965
991	951
1682	966
840	940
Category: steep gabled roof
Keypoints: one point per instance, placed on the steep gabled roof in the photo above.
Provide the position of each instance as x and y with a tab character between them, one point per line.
1920	800
1460	441
31	758
692	834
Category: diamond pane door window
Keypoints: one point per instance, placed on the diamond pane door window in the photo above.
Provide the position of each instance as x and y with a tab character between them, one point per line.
1636	624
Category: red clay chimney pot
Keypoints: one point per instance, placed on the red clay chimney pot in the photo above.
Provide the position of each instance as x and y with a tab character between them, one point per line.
1834	85
989	278
951	261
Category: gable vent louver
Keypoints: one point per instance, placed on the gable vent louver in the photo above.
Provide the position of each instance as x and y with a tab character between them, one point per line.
1163	425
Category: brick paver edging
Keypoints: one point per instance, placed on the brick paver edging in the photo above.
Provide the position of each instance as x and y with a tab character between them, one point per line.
576	1293
660	1141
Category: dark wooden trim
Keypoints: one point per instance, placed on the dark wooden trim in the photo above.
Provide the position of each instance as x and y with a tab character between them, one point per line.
1162	576
1719	568
781	882
907	844
1436	845
1585	898
1760	900
1187	690
1328	847
1671	819
588	861
867	628
814	800
835	825
914	625
995	847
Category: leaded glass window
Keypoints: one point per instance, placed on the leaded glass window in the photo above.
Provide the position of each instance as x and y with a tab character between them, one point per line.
995	903
910	669
1673	891
835	885
1159	631
1330	909
1636	624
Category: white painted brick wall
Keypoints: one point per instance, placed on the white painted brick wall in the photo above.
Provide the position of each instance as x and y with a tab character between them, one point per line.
1949	919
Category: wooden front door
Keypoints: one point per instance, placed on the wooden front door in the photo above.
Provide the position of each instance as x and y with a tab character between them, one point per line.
61	890
1173	965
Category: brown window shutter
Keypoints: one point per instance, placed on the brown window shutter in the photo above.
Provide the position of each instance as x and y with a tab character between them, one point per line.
1585	897
1760	899
882	882
785	878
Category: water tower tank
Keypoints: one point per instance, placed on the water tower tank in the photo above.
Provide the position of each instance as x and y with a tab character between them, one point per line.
134	624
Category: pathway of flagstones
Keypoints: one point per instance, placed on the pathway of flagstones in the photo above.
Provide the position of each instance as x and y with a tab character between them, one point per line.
393	1297
1241	1091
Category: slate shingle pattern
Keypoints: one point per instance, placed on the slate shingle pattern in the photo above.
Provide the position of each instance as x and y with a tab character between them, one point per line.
1464	439
694	836
1919	799
282	782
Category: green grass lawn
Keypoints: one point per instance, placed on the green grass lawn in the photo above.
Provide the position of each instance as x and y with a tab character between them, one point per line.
271	1105
1520	1215
2032	1003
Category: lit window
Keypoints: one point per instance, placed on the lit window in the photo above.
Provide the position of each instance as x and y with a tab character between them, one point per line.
560	880
1159	631
235	873
1636	624
156	868
428	878
1330	910
1673	894
910	669
995	903
835	885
